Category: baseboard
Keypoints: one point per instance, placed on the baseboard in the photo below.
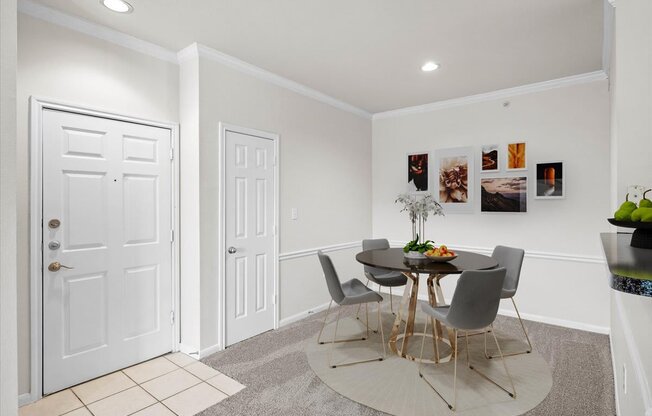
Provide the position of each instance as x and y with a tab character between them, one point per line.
538	318
558	322
25	399
188	350
301	315
210	350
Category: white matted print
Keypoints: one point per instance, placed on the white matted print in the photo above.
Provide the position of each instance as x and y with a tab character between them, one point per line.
505	194
551	182
516	156
490	161
418	173
454	183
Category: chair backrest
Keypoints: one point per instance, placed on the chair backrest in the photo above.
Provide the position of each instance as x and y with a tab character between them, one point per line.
476	299
332	280
512	260
375	244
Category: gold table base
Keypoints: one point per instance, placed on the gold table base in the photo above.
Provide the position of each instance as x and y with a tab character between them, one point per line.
410	296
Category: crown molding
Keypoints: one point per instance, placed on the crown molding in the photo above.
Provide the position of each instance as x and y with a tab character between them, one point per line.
496	95
197	50
54	16
57	17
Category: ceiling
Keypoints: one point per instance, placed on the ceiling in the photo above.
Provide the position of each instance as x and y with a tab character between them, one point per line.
368	53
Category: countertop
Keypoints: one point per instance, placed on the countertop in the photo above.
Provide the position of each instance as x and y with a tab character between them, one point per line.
631	268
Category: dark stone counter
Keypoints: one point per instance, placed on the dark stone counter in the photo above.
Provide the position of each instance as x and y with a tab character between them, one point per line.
631	268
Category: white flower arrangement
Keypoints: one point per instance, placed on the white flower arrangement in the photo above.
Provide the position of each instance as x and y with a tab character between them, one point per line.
419	208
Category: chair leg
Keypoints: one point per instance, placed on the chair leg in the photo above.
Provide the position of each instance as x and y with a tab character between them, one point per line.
324	324
320	342
391	301
450	406
511	382
529	350
357	314
334	341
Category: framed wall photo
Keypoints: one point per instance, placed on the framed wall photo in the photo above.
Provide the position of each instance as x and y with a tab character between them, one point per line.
454	183
490	160
550	180
417	169
517	156
505	194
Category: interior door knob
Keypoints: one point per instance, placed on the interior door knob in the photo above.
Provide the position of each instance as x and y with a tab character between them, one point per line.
55	266
232	250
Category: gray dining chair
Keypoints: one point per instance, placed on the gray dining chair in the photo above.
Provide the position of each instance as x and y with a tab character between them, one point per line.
512	260
382	277
352	292
474	306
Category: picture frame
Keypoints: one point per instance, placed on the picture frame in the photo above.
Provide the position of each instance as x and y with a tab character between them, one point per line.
550	180
504	194
453	179
516	156
417	172
490	158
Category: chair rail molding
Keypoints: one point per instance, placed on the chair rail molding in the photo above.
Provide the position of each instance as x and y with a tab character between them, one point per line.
313	251
545	255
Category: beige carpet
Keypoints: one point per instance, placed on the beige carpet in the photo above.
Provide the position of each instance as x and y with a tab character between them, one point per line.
279	380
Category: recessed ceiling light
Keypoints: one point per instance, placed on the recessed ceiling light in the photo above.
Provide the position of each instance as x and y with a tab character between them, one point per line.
429	66
119	6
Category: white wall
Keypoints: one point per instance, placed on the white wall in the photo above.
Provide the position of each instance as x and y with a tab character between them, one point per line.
632	152
8	344
569	124
65	65
325	172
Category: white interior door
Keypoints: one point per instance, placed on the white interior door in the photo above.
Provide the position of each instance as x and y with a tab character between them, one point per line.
108	184
250	237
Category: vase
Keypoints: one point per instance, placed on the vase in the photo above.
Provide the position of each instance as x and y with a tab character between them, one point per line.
414	255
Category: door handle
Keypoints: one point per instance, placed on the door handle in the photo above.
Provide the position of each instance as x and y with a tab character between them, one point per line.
232	250
56	266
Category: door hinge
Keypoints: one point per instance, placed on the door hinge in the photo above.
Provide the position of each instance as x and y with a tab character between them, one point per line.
171	317
171	153
172	236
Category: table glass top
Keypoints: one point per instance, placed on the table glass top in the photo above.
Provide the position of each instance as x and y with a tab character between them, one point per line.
392	259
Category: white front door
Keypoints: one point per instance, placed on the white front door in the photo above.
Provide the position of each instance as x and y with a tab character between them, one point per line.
107	221
250	237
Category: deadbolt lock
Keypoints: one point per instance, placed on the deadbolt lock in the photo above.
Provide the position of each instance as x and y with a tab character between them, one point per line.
55	223
55	266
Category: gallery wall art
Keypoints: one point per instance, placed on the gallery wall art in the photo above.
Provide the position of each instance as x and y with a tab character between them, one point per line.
517	156
490	158
454	171
550	180
417	172
507	194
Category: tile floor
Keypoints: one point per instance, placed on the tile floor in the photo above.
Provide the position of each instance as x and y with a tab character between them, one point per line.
174	384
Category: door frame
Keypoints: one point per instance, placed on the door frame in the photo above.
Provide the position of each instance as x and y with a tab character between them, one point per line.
36	106
223	129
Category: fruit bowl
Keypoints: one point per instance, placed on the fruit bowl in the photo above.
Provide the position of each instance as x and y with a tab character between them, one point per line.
441	259
642	236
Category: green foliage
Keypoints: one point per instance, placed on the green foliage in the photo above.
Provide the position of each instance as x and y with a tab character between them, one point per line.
414	245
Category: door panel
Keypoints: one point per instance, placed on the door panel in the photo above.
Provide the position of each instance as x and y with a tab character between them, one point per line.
110	187
249	229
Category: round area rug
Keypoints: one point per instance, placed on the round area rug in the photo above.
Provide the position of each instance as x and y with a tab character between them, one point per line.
394	386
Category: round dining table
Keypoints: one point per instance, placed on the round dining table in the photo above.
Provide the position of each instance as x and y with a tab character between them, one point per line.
393	259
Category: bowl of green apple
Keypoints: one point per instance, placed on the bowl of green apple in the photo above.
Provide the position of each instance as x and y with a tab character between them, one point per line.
639	217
